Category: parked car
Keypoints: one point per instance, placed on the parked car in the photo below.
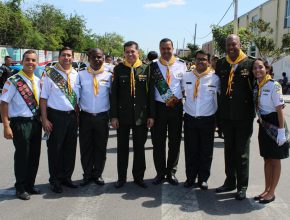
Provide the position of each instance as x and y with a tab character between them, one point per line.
76	65
37	72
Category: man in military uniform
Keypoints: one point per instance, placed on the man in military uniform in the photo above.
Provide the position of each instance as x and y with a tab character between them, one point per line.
167	73
5	71
59	111
236	114
95	84
20	98
132	107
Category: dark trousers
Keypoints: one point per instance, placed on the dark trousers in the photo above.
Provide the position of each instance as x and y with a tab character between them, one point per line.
27	142
139	139
237	134
61	145
198	146
167	119
94	133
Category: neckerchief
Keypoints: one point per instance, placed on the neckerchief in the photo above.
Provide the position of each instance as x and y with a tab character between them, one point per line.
94	74
266	79
167	64
132	75
59	67
199	76
241	57
34	87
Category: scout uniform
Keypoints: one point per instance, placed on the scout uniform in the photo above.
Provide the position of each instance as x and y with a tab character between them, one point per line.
199	122
237	113
132	102
167	77
22	95
94	118
61	92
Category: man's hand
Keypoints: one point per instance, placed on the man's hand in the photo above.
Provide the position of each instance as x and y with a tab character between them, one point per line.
150	122
115	123
47	125
8	134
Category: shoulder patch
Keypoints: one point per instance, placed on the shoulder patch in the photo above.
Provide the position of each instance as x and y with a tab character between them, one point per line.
181	60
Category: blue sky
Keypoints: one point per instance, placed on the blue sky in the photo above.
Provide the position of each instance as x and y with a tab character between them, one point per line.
148	21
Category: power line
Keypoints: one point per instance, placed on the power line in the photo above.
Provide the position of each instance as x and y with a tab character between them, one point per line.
219	21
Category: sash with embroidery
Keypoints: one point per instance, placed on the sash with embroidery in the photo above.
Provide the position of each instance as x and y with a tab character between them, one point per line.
271	130
162	86
62	84
26	93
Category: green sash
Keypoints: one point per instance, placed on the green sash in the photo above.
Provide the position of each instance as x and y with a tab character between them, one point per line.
26	93
62	84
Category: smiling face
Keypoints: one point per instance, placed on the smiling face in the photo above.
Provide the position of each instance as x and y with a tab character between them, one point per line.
259	69
131	54
233	47
96	58
166	50
66	58
29	63
201	62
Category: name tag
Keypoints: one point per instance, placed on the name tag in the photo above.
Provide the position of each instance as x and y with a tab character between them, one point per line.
188	82
142	77
212	86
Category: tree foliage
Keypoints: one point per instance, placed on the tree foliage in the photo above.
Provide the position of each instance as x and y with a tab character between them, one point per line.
111	43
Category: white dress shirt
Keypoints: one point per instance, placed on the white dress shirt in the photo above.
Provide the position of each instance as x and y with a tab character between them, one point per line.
176	73
56	99
16	104
205	104
88	101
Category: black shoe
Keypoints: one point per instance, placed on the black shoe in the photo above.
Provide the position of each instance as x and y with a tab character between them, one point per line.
99	181
203	185
158	180
224	188
189	183
141	183
69	183
22	195
257	198
120	183
56	188
240	195
265	201
33	191
85	182
172	179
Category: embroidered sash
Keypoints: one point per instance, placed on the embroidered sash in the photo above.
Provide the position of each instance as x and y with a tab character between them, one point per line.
26	93
62	84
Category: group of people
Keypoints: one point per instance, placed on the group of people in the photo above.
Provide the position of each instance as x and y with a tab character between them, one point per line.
138	97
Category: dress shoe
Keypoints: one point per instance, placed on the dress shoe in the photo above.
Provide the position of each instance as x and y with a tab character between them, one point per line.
189	183
224	188
99	181
240	195
141	183
257	198
85	182
33	191
120	183
203	185
172	179
22	195
69	183
265	201
158	180
56	188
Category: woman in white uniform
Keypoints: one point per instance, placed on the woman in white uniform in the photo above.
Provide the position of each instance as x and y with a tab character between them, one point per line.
272	137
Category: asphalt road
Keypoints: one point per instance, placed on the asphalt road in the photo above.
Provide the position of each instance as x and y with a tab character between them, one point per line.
133	202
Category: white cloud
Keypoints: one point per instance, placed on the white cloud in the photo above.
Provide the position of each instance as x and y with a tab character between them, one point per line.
165	4
91	1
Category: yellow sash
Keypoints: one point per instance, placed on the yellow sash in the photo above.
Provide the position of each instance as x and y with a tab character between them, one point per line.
167	64
241	57
94	73
132	75
198	76
59	67
34	87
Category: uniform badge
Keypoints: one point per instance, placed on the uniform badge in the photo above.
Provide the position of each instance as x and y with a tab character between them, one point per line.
179	75
142	77
4	91
245	72
278	88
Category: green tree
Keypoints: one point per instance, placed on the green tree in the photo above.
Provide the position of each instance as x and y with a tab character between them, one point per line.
193	48
111	43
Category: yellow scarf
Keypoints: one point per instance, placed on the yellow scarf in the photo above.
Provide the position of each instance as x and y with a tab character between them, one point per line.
34	87
132	75
94	74
241	57
167	64
59	67
199	76
266	78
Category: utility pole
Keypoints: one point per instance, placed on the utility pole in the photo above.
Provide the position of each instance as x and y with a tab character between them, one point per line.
236	17
194	39
183	47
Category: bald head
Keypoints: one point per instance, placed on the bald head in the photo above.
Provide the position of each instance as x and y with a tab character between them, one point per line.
96	58
233	46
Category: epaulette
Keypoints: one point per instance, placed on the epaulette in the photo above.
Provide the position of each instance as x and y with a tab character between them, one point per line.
83	68
181	60
252	58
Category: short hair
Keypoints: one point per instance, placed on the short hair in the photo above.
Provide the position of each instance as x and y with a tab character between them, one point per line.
28	52
131	43
284	74
65	48
94	49
108	56
152	55
203	53
7	57
165	40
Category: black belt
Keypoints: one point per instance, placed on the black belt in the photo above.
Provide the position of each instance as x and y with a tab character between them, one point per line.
198	117
61	112
24	119
94	114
